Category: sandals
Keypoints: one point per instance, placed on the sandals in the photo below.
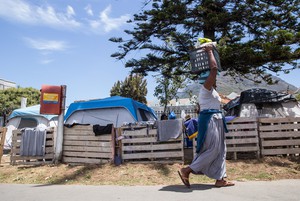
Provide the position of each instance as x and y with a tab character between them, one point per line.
184	180
223	183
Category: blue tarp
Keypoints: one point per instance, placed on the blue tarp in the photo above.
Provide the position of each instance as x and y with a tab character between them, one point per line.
110	102
29	111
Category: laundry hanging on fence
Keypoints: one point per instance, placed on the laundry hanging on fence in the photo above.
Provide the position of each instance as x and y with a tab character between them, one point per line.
100	130
33	142
169	129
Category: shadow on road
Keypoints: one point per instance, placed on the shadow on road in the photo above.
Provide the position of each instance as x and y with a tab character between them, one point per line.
183	189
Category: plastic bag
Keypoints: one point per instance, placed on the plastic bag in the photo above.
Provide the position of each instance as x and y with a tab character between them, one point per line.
172	115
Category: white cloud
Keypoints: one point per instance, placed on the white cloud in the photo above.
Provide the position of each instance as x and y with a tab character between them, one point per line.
46	45
89	10
107	24
70	12
46	48
46	61
22	11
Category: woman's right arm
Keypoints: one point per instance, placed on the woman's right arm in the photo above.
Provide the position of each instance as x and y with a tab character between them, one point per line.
212	77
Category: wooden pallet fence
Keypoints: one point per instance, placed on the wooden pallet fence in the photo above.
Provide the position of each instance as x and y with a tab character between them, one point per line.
279	136
2	140
82	146
242	140
142	146
17	159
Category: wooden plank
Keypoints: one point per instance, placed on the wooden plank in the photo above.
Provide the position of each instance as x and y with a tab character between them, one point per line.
88	138
242	149
83	133
139	140
87	143
48	143
142	132
85	160
241	126
87	149
46	156
87	154
157	161
279	127
243	120
148	140
279	134
241	141
279	120
33	162
290	142
2	141
152	147
19	136
47	150
265	152
241	133
78	127
167	154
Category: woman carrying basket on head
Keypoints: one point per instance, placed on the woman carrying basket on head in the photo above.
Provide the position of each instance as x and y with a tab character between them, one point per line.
210	158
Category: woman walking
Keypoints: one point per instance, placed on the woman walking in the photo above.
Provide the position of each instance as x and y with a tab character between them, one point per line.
210	159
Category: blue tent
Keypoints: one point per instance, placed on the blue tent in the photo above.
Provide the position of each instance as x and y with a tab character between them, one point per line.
116	110
27	117
29	111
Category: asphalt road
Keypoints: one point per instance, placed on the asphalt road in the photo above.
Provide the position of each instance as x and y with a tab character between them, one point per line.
282	190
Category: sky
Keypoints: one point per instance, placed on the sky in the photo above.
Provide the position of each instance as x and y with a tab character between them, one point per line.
55	42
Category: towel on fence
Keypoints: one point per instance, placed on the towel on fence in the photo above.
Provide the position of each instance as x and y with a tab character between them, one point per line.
169	129
99	130
33	142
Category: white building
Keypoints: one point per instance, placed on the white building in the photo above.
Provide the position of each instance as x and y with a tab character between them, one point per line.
4	84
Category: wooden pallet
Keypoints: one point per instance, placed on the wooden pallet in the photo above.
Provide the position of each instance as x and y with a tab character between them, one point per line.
279	136
82	146
242	140
17	159
142	146
2	140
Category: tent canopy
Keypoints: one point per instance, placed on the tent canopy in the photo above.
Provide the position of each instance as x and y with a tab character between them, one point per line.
29	111
106	104
261	99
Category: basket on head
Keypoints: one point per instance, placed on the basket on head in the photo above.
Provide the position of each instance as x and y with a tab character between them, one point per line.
200	62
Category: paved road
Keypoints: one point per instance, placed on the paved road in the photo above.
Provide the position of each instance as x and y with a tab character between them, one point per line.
283	190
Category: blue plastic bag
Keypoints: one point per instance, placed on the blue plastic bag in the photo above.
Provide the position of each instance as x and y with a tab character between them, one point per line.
172	115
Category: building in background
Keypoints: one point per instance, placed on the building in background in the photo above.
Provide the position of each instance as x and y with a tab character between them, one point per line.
4	84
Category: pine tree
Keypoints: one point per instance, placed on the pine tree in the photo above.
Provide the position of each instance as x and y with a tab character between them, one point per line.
256	37
134	86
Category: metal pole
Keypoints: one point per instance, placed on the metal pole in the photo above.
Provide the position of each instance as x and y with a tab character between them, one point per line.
60	127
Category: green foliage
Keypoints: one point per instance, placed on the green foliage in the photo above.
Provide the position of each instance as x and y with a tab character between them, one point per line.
10	99
134	86
298	97
253	36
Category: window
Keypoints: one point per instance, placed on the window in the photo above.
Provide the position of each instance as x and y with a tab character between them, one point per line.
27	122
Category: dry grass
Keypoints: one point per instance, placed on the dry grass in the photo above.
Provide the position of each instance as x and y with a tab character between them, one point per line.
272	168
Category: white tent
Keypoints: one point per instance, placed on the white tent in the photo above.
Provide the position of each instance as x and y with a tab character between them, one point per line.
263	103
28	117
